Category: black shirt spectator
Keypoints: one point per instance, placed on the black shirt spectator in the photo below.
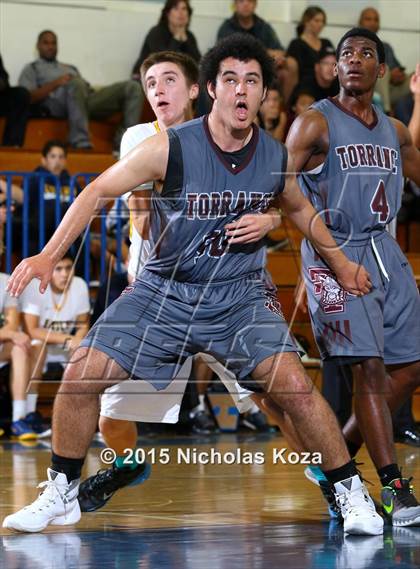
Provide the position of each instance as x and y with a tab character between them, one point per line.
306	56
305	49
171	33
14	105
323	83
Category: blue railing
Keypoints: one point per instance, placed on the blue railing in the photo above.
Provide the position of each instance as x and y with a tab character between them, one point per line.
30	227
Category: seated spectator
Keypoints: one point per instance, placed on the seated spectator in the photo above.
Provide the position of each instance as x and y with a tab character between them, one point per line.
57	320
14	105
298	104
305	49
246	20
16	349
51	175
324	82
58	90
170	34
272	116
396	83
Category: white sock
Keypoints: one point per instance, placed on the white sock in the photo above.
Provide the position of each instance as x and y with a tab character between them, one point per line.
254	409
201	402
19	409
31	400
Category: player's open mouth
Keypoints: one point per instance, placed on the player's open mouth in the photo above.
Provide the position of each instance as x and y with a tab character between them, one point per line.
241	110
162	104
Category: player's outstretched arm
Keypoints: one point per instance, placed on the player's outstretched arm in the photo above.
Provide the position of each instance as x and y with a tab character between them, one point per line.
410	155
353	277
146	162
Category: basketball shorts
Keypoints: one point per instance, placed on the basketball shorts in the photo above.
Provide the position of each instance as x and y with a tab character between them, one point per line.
157	324
133	400
384	323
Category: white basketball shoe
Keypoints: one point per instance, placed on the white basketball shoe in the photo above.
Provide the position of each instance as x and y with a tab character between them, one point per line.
56	505
357	508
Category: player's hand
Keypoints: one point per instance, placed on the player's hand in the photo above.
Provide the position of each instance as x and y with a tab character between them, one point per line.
37	267
251	227
22	340
415	81
354	279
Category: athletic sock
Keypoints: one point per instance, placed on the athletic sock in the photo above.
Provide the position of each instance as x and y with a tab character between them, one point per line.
389	473
121	465
19	409
31	400
71	467
352	447
254	409
341	473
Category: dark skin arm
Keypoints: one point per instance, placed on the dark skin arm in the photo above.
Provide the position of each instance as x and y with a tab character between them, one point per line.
410	155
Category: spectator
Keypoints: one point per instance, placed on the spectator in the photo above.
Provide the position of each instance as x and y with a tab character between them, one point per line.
324	82
272	116
58	90
16	349
299	103
396	83
51	175
14	105
305	49
170	34
246	20
58	319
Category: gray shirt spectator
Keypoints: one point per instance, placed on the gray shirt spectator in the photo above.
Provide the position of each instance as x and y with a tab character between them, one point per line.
260	29
60	91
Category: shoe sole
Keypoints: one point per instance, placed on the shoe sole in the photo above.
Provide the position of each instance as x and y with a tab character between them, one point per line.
25	437
357	529
406	523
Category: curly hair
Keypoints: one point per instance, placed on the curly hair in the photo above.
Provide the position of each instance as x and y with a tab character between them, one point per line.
241	46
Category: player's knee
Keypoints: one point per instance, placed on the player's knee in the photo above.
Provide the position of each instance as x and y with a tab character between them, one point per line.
294	392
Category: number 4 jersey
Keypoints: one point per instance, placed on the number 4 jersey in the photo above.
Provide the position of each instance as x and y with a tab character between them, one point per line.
358	192
358	188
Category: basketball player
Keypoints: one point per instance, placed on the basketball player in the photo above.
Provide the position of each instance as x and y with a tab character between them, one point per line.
201	290
352	158
170	81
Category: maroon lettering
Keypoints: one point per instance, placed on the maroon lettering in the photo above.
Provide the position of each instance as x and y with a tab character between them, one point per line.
203	206
387	158
192	200
352	154
215	204
341	153
362	155
370	155
225	203
379	158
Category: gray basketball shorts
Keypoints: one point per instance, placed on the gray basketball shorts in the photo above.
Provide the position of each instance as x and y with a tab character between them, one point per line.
157	323
384	323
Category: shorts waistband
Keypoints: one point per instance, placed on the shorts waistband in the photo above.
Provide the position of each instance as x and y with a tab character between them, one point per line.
357	239
254	275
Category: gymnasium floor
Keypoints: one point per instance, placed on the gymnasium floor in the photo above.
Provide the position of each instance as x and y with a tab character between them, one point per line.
188	516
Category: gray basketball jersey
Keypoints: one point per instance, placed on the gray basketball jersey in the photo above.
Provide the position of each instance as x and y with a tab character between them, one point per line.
188	220
358	188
